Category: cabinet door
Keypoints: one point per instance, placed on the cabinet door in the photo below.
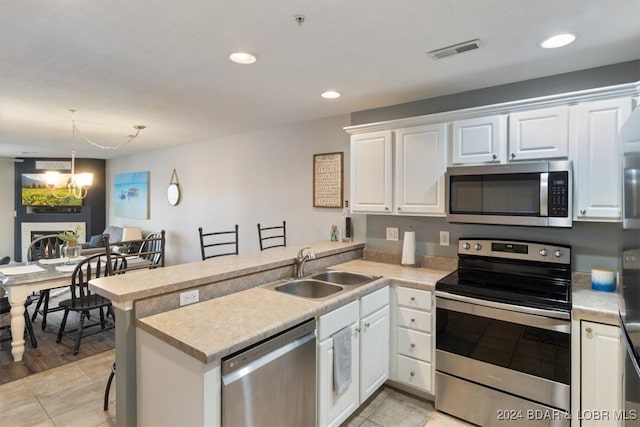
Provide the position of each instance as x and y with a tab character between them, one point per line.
539	134
374	352
478	140
597	157
601	372
420	165
371	172
333	409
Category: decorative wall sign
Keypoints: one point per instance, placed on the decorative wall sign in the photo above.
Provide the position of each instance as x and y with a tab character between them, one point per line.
328	179
131	195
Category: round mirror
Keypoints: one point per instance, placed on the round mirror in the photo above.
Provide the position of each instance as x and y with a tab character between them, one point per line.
173	194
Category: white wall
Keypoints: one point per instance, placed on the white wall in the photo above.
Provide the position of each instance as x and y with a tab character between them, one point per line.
264	176
7	219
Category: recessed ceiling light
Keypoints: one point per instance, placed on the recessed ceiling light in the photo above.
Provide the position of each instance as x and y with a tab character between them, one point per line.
242	58
558	40
330	94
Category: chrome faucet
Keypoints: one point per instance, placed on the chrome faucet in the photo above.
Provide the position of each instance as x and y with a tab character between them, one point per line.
302	259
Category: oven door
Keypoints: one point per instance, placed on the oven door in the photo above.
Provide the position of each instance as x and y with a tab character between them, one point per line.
515	360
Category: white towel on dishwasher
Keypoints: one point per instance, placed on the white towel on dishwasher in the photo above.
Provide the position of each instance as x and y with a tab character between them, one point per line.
342	360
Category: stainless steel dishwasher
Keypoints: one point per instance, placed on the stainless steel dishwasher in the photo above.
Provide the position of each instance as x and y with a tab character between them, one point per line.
272	383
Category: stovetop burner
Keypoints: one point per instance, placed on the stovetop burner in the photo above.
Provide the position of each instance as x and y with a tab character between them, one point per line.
528	274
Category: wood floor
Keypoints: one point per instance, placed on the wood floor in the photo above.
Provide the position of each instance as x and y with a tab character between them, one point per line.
49	354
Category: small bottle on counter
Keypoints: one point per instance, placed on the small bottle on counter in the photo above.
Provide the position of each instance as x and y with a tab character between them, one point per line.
347	225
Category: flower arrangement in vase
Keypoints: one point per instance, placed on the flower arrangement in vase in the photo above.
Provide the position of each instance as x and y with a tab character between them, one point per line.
71	248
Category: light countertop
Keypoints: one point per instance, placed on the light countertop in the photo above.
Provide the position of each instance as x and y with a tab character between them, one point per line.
141	284
215	328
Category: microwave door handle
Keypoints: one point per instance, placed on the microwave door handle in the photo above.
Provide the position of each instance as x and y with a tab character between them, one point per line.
544	194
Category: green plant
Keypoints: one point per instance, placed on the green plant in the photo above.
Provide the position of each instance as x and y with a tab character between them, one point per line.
70	236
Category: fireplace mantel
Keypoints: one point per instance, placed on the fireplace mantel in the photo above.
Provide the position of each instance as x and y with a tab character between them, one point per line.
28	227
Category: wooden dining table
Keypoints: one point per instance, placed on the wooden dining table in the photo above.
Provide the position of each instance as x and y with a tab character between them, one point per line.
20	280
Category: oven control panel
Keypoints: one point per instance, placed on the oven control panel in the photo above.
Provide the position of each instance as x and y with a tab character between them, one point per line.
512	249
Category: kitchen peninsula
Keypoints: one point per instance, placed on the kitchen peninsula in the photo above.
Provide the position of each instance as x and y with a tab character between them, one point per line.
145	293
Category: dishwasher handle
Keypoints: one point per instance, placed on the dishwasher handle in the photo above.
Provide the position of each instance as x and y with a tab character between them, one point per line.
263	352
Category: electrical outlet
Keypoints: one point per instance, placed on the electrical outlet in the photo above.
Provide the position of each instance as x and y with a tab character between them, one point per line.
392	233
189	297
444	238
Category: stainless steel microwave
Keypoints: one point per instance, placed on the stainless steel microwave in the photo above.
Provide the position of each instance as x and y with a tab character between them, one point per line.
535	194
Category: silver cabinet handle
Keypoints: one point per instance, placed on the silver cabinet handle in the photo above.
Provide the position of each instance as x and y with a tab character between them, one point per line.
412	298
583	211
413	345
589	330
357	330
413	374
413	319
494	157
513	155
366	325
386	208
399	209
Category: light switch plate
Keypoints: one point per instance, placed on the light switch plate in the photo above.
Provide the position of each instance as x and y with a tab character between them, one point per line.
392	233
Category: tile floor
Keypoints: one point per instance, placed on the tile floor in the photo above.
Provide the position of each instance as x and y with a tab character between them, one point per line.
72	395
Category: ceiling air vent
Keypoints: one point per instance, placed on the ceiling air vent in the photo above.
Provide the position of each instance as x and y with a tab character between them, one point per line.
455	49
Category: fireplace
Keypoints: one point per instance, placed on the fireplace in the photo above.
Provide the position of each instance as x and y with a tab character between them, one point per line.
32	230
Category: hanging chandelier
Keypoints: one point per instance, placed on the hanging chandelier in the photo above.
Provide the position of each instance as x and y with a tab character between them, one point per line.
78	183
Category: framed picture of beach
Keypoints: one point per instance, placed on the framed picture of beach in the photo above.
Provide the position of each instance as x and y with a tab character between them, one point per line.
131	195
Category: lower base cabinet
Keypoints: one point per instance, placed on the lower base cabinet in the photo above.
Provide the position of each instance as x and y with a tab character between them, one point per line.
368	321
601	358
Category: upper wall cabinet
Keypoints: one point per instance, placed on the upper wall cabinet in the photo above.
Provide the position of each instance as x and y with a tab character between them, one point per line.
532	135
413	184
371	170
479	140
419	172
539	134
596	158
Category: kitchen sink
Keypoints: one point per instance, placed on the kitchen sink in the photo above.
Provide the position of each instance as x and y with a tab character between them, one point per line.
308	288
343	277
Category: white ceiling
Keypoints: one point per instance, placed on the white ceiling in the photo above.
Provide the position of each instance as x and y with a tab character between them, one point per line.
164	64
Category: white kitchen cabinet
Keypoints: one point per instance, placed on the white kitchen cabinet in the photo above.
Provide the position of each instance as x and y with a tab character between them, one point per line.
596	158
414	342
600	372
478	140
371	172
374	341
334	408
368	320
419	170
539	134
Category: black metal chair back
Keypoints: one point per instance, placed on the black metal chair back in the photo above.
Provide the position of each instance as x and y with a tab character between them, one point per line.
211	241
91	268
273	236
45	247
150	250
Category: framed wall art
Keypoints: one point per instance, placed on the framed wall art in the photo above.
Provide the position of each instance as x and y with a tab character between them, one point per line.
131	195
328	180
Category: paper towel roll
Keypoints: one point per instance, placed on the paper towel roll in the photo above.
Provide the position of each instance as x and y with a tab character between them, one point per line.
409	248
603	279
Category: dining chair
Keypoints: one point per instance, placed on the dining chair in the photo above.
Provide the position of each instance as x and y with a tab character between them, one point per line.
212	241
82	300
277	233
48	246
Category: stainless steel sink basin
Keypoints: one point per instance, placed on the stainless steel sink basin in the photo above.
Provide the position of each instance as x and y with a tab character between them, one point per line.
308	288
342	277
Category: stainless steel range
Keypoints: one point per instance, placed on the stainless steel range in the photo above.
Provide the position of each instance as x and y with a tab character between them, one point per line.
503	342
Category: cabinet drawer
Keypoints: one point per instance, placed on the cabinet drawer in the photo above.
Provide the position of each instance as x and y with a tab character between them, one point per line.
414	298
339	318
414	372
414	319
414	344
374	301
